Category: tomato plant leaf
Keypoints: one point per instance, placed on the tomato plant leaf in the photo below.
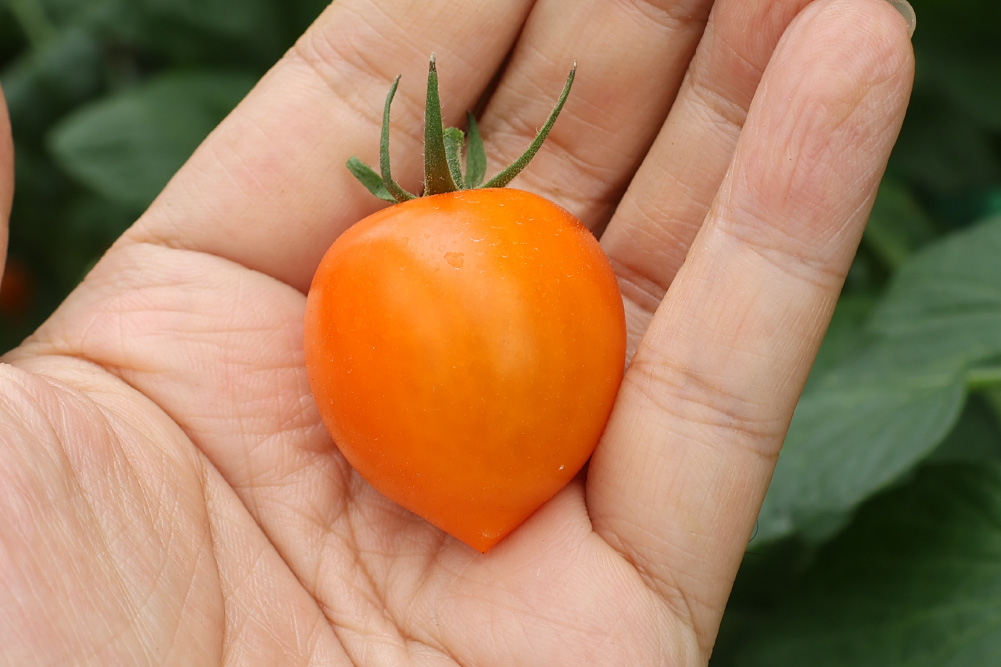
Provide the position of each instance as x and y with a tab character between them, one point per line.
392	186
944	307
437	173
846	335
476	156
506	176
915	581
126	147
859	429
454	139
865	421
370	179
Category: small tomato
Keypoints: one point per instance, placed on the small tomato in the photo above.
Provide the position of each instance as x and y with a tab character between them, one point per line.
464	349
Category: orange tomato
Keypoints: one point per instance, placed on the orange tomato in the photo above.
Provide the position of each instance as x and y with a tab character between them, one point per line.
464	350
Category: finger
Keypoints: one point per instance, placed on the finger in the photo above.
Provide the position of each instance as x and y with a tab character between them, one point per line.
631	58
671	193
679	476
268	189
6	178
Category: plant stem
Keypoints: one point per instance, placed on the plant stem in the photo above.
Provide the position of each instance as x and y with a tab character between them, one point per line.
983	377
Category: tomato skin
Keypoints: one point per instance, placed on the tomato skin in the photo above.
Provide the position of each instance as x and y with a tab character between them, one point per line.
464	351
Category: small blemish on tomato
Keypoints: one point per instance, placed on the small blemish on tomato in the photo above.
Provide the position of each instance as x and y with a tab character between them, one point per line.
454	259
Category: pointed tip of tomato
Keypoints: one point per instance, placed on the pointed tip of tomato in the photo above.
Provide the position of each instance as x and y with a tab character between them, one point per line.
479	530
481	543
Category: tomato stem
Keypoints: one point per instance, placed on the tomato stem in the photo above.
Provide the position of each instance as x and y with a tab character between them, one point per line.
443	150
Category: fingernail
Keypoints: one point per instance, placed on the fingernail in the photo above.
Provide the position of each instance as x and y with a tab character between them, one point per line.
905	8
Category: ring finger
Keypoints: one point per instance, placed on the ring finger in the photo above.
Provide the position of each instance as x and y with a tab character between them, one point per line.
670	194
618	103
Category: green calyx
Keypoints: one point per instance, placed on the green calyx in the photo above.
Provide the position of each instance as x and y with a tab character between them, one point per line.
443	149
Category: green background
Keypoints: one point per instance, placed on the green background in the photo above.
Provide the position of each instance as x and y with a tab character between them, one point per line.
880	540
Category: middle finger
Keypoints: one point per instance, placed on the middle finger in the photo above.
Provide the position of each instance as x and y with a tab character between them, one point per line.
632	55
671	192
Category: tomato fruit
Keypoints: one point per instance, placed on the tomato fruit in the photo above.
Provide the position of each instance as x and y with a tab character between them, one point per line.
464	350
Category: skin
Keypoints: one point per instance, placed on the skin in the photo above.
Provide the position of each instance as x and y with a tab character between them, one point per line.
167	491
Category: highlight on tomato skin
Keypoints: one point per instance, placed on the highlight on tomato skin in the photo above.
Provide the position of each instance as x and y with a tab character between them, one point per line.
465	350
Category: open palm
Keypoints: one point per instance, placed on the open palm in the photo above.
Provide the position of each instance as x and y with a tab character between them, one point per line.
167	491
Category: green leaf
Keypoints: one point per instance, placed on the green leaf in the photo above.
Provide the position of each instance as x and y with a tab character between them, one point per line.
765	579
915	581
846	336
127	146
370	179
863	424
506	176
476	156
856	432
398	193
944	307
438	177
454	140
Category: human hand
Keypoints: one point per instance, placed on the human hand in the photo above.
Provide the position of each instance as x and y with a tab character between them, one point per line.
168	492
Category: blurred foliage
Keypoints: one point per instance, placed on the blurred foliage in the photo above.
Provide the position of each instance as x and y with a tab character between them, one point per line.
880	539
